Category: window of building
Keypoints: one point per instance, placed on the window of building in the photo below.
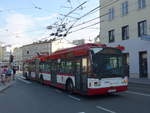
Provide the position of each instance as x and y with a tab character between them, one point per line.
141	4
111	35
125	8
27	52
125	32
111	14
142	28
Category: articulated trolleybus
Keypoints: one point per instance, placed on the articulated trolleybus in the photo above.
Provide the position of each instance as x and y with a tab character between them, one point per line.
89	69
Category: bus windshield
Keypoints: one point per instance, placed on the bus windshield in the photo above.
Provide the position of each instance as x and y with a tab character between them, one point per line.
106	64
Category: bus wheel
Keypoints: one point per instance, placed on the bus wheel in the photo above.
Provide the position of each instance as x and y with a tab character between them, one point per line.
69	86
41	79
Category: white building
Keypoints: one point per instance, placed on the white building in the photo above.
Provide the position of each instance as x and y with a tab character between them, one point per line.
32	50
17	57
60	44
81	41
127	23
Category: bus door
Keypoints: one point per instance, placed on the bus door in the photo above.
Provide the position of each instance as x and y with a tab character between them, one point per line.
80	77
53	72
84	70
37	68
77	74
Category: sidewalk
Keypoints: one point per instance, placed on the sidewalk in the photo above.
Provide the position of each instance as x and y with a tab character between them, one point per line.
3	87
144	81
6	85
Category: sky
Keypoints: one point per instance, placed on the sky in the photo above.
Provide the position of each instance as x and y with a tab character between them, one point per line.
24	21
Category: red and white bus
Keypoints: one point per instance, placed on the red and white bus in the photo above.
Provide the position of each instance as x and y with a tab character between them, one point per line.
89	69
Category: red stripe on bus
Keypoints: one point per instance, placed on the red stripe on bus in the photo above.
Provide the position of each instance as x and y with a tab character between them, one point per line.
47	82
60	86
98	91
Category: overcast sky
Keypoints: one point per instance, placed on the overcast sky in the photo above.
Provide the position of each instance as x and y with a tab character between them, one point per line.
24	21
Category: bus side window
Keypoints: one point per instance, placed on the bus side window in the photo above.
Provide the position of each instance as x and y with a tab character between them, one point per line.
78	66
84	65
62	66
69	67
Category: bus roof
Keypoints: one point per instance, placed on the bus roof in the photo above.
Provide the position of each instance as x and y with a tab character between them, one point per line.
71	52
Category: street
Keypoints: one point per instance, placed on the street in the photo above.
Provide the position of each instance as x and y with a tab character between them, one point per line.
30	97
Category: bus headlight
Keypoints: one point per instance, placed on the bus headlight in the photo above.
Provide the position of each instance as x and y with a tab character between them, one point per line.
125	80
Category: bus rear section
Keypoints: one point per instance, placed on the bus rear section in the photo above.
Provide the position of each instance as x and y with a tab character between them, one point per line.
108	74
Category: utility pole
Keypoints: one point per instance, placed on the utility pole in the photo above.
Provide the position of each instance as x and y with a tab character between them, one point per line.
99	20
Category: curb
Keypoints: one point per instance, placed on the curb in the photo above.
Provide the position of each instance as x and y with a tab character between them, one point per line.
148	84
5	87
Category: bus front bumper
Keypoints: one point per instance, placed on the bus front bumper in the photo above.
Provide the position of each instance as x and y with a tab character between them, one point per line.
98	91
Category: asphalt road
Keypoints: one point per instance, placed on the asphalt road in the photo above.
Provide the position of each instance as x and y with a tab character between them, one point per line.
30	97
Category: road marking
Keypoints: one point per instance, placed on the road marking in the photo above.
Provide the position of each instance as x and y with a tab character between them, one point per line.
138	93
75	98
105	109
81	112
58	91
25	81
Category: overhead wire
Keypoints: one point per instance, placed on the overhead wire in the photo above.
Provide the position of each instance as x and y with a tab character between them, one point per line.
85	27
96	8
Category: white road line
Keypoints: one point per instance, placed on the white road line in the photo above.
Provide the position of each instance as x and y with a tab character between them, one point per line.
105	109
58	91
81	112
138	93
25	81
75	98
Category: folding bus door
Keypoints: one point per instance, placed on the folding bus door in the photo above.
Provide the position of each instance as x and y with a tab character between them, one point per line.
77	72
81	75
53	72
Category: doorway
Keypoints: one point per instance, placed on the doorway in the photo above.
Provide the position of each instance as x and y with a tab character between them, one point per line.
143	64
126	58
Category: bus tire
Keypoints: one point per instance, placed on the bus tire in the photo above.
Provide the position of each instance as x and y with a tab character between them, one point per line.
69	86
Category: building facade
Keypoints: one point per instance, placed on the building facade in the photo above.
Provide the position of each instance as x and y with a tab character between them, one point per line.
81	41
34	49
43	48
17	58
127	23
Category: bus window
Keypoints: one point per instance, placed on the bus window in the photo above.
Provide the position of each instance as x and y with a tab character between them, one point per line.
77	67
54	66
89	65
84	65
68	67
62	67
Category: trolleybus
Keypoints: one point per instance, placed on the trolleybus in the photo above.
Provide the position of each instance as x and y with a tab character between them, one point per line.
89	69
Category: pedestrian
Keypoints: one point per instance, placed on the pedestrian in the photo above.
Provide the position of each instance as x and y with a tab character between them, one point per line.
8	74
14	73
3	74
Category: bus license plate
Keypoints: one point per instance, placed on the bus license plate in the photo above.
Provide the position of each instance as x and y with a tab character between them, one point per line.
111	90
